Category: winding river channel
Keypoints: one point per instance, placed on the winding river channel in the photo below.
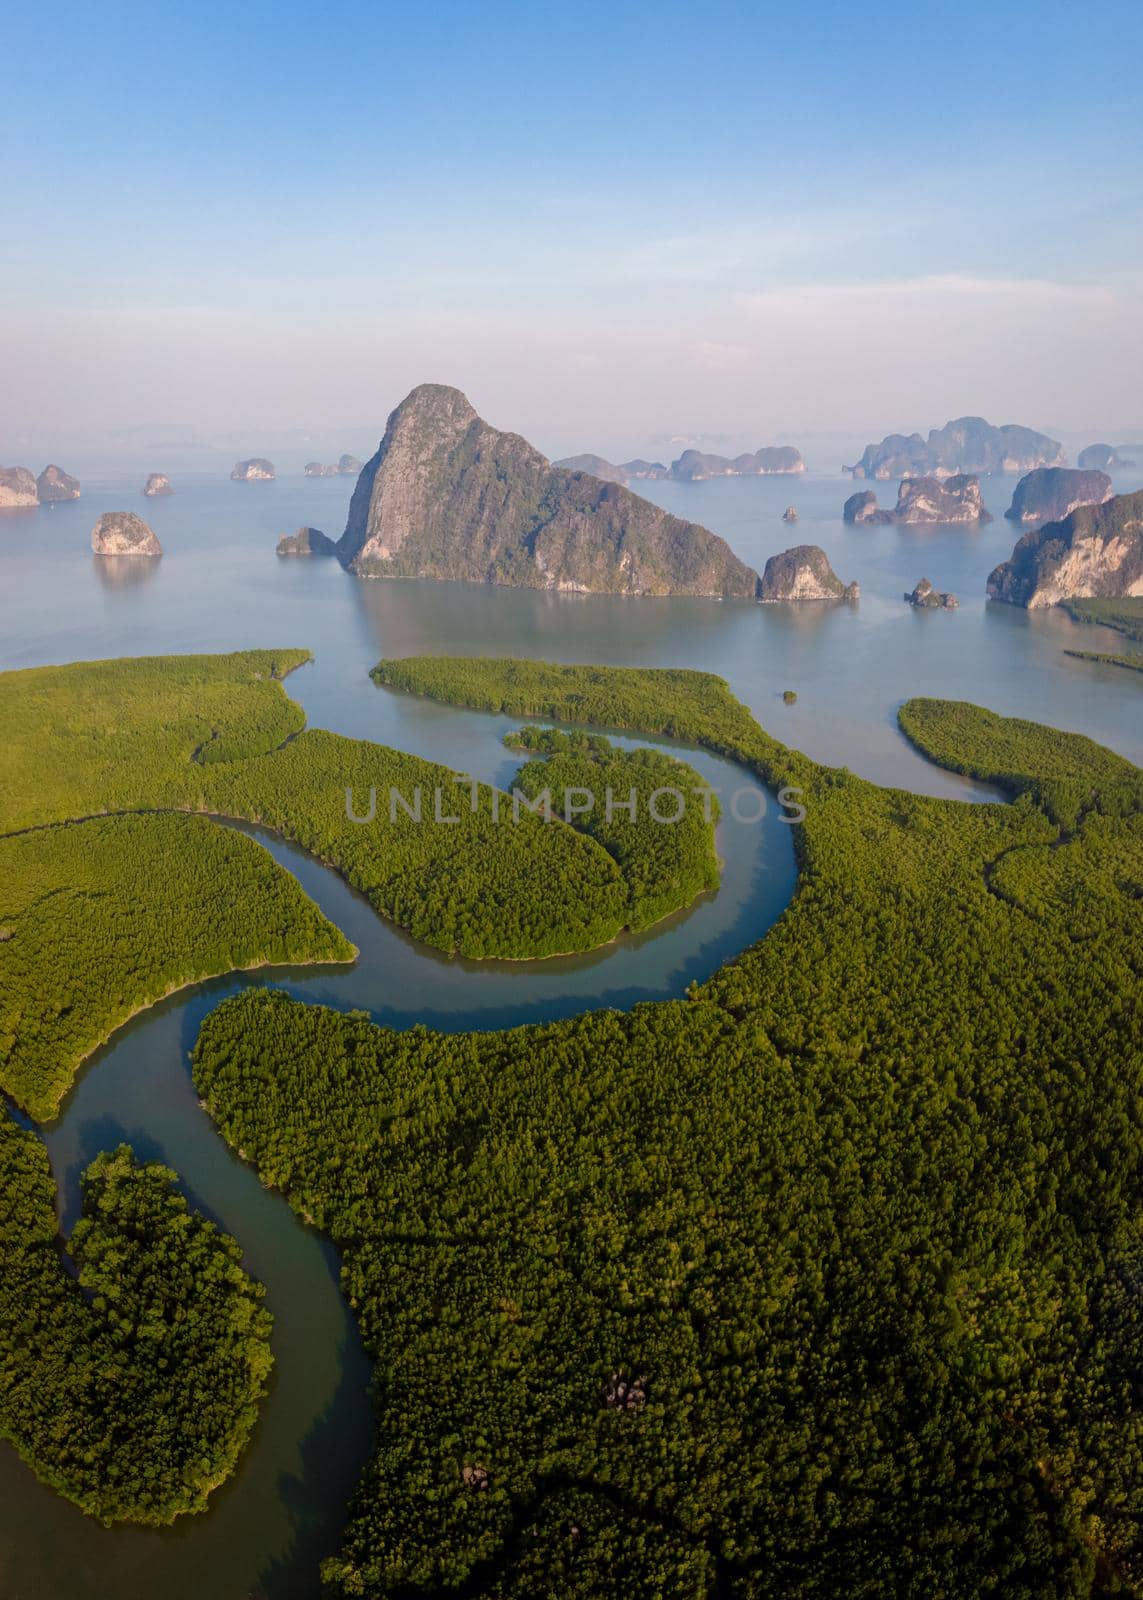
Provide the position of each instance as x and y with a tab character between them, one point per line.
267	1530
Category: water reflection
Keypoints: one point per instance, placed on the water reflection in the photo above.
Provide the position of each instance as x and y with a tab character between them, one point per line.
125	572
426	616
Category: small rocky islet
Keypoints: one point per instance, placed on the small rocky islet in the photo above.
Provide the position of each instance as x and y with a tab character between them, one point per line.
306	542
803	573
926	598
55	484
19	490
157	485
345	466
256	470
122	533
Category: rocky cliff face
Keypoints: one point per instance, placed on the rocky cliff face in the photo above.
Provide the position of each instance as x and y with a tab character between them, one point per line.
1095	552
18	489
926	598
969	444
803	573
55	484
157	484
1103	458
256	470
693	466
955	499
448	496
1050	493
306	542
122	533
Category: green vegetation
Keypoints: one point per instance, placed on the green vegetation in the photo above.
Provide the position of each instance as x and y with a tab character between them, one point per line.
1125	615
102	918
665	850
102	915
133	1390
554	741
790	696
821	1283
217	734
102	736
1133	662
695	707
1065	773
490	882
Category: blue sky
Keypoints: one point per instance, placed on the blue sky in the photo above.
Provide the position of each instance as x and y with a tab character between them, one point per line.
603	221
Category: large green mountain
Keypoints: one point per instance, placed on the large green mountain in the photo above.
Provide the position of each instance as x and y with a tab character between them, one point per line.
448	496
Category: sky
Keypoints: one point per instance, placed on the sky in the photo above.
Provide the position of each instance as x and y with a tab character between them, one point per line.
607	223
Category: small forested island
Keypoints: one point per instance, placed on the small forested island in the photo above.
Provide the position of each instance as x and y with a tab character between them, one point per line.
969	444
318	469
122	533
926	598
306	542
448	496
1049	493
156	485
348	466
133	1364
955	499
803	573
18	489
1104	458
256	470
55	484
1096	551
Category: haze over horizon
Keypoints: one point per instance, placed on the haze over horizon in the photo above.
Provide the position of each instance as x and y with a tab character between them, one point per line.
819	223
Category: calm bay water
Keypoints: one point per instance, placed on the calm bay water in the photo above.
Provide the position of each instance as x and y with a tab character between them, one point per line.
220	587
